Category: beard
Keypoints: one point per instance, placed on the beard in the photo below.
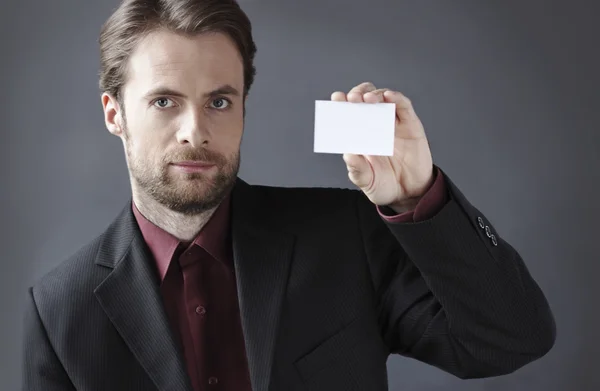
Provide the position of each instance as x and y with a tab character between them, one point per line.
187	193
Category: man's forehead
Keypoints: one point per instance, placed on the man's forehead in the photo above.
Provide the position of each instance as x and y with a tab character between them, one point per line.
162	56
163	49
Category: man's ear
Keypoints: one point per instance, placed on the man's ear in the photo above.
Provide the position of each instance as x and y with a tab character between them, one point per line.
112	114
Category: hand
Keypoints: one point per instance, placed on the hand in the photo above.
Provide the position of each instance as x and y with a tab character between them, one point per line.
397	181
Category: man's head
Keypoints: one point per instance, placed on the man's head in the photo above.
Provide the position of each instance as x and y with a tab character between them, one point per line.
175	75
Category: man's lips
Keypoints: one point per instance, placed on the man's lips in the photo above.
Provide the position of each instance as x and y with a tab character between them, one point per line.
193	166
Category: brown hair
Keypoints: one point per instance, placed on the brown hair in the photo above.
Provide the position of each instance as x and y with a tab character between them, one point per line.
135	19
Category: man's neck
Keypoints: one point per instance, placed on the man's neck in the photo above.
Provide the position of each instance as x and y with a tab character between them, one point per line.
183	227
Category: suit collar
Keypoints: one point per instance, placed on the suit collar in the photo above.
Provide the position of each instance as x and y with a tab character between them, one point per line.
131	298
262	254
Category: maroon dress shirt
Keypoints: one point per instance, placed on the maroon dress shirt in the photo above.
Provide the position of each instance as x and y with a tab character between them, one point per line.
200	297
199	292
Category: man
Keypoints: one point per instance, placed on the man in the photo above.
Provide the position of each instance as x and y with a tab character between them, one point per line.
206	282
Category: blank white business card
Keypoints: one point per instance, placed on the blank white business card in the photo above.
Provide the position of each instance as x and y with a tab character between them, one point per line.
356	128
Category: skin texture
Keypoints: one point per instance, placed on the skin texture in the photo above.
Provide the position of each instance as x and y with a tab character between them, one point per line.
182	102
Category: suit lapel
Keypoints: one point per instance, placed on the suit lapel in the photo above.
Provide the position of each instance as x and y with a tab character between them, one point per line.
131	298
262	257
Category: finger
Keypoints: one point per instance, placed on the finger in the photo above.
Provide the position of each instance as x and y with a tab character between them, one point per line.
338	96
357	92
375	96
355	97
363	88
404	107
359	170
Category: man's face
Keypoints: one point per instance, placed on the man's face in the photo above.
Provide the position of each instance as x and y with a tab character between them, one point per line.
182	118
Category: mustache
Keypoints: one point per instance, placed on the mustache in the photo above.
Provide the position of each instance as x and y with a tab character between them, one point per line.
203	155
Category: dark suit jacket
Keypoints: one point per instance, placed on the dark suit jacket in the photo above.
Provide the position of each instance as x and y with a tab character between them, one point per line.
327	291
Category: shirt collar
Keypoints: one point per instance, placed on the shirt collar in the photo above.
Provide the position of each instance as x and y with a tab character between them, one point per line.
213	237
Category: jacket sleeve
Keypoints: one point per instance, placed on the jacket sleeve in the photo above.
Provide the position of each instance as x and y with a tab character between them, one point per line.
42	370
452	293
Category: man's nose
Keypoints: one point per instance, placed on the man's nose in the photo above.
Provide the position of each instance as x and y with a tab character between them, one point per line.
194	130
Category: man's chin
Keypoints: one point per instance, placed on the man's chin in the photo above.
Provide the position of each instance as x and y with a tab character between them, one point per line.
194	178
194	198
192	182
190	203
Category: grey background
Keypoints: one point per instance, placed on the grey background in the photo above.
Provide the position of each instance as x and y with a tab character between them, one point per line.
507	91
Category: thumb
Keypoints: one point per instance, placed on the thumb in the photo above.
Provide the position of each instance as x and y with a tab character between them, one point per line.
360	171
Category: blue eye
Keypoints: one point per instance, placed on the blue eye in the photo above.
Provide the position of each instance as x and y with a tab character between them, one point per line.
163	103
220	103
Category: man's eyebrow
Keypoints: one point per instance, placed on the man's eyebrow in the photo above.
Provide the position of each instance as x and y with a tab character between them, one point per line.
223	90
165	91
